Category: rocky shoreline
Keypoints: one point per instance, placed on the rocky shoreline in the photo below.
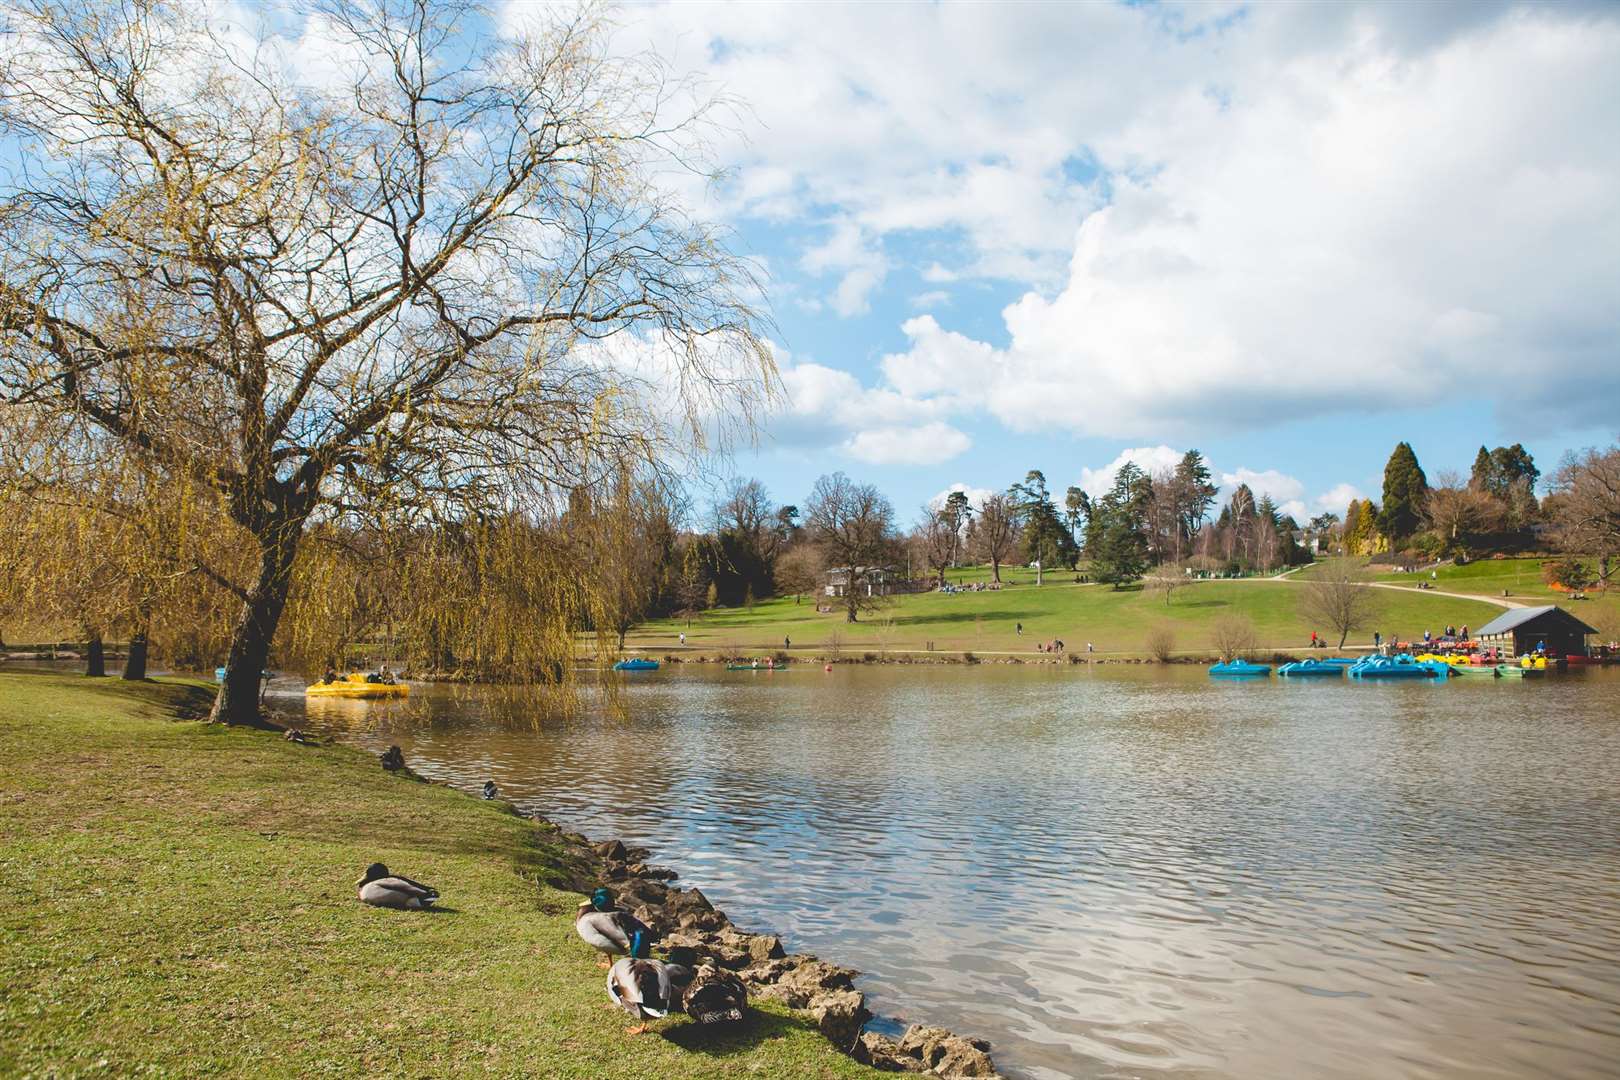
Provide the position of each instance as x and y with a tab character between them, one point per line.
823	992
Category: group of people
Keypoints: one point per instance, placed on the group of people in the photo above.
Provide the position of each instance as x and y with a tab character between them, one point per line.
382	675
977	586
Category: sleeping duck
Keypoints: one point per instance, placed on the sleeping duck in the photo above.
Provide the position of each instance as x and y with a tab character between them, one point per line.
704	991
609	930
714	996
641	988
379	888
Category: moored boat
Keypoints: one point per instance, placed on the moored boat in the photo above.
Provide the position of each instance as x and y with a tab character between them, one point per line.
1240	668
1312	667
1494	671
636	664
1402	666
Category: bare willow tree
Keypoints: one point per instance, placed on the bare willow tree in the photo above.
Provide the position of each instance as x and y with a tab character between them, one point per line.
373	289
1341	598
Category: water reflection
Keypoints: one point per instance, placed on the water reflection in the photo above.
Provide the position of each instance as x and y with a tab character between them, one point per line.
1118	872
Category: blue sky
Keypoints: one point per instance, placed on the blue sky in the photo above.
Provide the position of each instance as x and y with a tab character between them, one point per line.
1004	237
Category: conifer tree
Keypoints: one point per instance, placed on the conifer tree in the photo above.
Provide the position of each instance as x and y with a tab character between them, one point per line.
1405	488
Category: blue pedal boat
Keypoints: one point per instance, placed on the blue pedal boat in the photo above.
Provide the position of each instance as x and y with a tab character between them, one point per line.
1312	667
636	664
1240	669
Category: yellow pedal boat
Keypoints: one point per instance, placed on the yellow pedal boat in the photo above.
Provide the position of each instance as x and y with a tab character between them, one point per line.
357	686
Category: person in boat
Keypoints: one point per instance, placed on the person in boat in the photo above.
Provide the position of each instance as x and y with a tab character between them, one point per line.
385	676
330	677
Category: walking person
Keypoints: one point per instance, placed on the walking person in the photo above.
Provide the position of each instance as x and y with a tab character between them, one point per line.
1020	629
787	643
683	638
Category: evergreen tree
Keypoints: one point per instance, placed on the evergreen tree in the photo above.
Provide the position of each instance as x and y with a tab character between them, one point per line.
1405	488
1193	495
1479	477
1046	540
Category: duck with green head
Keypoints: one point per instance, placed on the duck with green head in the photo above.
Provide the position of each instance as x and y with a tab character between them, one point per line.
609	930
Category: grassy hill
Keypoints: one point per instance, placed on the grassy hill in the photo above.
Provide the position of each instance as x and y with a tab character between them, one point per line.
1116	622
1520	578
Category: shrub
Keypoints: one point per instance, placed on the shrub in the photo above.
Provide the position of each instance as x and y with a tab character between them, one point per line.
1567	573
1233	636
1161	642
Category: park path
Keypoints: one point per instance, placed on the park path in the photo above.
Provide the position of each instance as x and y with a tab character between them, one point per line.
1499	601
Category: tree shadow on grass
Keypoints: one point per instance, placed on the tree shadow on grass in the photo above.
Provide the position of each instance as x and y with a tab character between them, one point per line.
953	617
725	1040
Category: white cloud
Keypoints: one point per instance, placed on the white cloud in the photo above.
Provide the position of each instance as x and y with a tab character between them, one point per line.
1336	499
1366	233
929	444
931	298
1150	459
863	265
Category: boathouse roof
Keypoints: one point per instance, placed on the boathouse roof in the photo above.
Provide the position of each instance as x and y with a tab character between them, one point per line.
1512	620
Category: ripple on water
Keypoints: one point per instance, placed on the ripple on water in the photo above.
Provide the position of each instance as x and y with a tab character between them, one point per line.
1123	873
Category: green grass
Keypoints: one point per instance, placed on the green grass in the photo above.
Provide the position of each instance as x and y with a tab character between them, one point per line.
180	901
1522	578
985	622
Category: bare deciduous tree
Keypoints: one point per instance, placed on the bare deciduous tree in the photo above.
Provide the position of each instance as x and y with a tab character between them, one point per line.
799	570
935	538
1340	598
997	531
372	295
853	524
1457	512
1233	637
1165	580
1586	505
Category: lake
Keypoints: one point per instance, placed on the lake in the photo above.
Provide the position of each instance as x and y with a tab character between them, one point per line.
1119	871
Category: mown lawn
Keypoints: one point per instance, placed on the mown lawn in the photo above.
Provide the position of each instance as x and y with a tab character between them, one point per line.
1522	578
180	901
1114	621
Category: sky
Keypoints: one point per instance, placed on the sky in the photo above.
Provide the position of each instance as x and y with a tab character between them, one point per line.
1056	236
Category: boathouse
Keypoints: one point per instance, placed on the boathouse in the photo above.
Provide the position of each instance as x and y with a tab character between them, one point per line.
1519	631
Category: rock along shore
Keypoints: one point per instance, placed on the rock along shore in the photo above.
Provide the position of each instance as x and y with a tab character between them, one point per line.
823	991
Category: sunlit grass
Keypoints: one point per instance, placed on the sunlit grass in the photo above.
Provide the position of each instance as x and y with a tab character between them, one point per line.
180	901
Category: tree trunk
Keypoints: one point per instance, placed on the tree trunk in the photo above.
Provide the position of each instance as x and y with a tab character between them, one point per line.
238	699
995	570
135	663
95	657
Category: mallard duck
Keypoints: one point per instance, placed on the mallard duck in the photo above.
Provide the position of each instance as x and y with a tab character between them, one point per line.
641	987
379	888
609	930
490	791
714	996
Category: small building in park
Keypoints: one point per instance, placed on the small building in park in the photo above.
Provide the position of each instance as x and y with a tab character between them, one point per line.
1519	631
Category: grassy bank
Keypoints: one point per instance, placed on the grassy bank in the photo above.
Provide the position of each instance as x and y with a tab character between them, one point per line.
180	900
1116	622
1520	578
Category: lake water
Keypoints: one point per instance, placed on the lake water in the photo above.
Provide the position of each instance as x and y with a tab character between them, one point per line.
1121	871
